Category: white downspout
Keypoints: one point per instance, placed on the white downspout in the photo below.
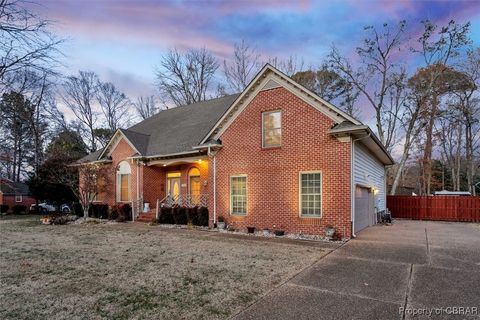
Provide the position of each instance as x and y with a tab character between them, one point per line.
352	184
210	154
138	189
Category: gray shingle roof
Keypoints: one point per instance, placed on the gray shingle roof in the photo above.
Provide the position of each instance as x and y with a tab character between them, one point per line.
179	129
174	130
12	188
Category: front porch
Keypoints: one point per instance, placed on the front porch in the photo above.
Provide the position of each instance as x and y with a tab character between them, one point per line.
175	182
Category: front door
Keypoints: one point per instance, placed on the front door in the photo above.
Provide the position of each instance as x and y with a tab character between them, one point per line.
195	189
173	184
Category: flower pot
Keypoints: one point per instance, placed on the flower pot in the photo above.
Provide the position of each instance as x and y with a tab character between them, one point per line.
329	232
251	229
221	225
279	233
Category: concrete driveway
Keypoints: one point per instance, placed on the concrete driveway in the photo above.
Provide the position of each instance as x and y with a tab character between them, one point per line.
419	266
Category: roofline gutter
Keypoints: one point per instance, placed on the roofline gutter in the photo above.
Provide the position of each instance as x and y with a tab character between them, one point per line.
194	152
88	163
370	133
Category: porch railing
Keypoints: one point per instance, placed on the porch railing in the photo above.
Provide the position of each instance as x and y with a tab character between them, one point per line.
185	200
137	207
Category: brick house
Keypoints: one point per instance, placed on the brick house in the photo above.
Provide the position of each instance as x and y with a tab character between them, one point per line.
15	193
275	156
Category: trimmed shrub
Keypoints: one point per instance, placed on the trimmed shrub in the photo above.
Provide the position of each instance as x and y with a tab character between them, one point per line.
113	213
124	212
180	215
99	211
3	208
77	209
203	216
192	216
165	215
19	209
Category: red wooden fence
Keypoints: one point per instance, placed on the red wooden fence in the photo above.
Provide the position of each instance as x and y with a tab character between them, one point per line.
446	208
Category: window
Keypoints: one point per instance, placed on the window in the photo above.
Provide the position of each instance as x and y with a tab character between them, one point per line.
18	198
271	129
310	194
195	187
238	195
123	182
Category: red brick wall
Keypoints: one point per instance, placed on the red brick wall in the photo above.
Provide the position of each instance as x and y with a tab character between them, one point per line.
273	174
152	179
122	151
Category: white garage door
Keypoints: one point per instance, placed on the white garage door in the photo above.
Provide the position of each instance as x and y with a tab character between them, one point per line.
363	211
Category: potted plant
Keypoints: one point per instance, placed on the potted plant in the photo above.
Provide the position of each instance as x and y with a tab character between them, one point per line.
251	229
221	223
329	232
279	233
266	232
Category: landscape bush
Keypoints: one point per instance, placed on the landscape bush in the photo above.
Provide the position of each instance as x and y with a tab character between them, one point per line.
180	215
19	209
99	211
77	209
165	215
202	214
124	212
4	208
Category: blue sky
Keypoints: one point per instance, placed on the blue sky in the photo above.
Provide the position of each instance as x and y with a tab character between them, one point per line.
123	40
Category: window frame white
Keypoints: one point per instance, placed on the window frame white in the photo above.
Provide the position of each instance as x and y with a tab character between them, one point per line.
263	129
314	216
18	196
119	183
231	197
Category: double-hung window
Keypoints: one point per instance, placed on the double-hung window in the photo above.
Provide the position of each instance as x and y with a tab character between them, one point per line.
238	195
310	194
271	129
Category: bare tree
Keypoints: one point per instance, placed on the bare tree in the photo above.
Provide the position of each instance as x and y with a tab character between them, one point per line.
114	105
289	66
451	142
185	78
243	67
25	42
376	70
469	106
15	131
437	47
79	93
330	86
146	107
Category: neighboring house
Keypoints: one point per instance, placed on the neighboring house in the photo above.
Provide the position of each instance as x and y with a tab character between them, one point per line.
275	156
15	193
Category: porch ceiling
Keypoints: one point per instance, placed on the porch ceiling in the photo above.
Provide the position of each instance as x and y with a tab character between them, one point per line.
177	161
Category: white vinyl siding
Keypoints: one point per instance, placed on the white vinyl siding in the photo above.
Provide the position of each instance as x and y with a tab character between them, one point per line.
310	190
238	195
369	172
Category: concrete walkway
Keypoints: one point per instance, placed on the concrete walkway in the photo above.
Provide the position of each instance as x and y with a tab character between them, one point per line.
415	265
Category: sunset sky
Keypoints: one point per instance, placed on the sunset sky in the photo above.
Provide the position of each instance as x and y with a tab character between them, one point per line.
123	40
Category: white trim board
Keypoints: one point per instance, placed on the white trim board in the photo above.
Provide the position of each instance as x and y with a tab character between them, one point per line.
116	141
259	83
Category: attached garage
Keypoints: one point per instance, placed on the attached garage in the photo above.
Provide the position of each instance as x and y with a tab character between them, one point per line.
364	215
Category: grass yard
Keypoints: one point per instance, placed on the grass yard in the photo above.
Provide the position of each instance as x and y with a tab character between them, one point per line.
136	271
